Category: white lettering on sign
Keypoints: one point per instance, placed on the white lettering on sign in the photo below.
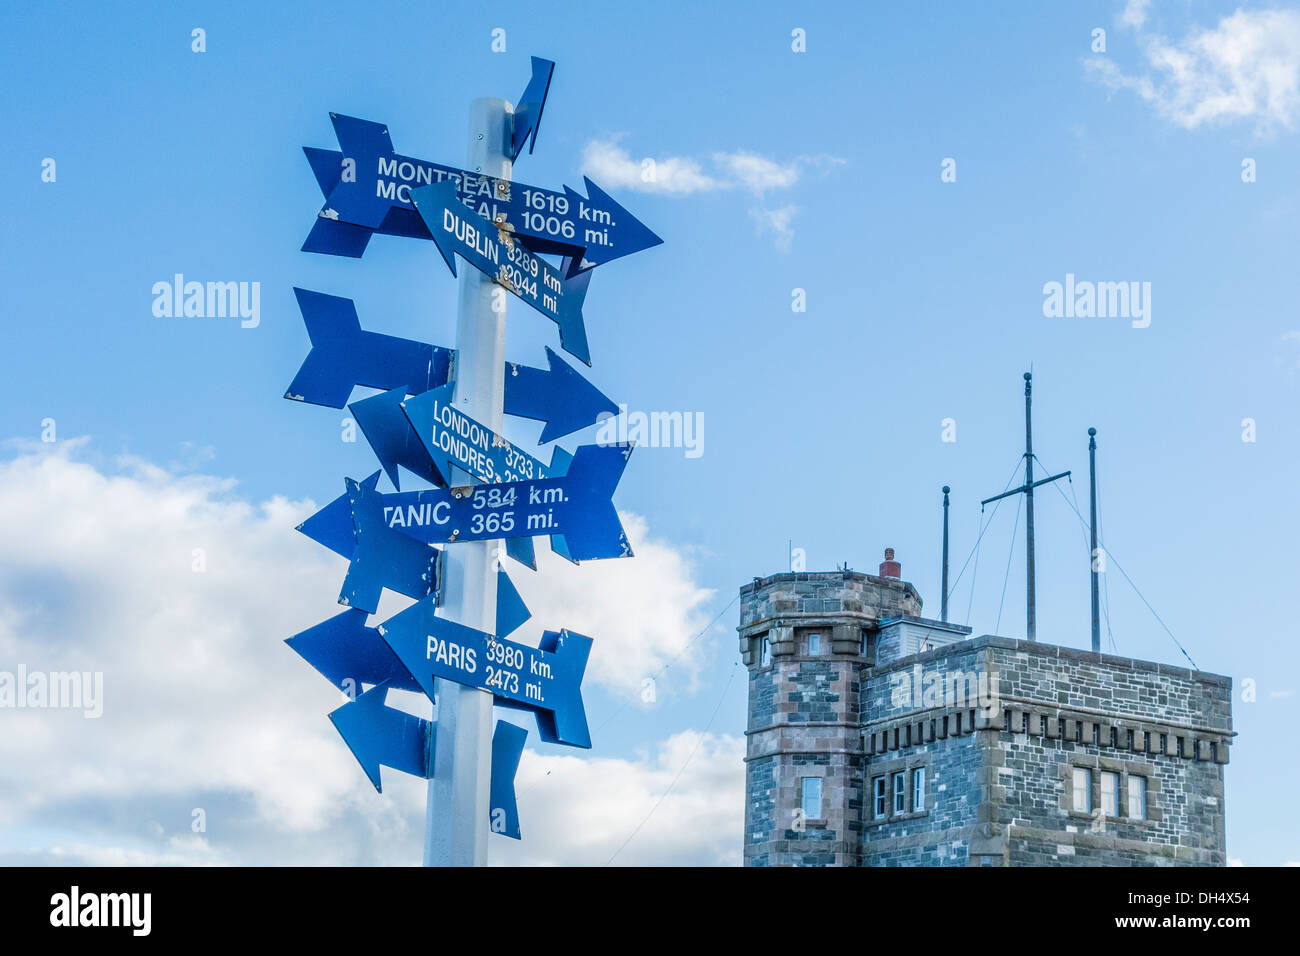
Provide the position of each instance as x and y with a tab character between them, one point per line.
451	654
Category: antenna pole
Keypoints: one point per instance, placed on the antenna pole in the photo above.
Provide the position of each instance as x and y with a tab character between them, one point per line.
943	607
1029	514
1092	560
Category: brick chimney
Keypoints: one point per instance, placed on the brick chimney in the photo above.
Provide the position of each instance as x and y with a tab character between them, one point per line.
889	568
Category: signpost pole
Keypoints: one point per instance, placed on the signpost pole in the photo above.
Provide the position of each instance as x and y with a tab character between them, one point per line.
457	823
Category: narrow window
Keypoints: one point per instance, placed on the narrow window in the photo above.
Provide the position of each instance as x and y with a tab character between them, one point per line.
878	794
1024	722
865	649
765	652
1114	736
1096	735
1180	746
1110	793
811	798
1081	789
1164	742
1146	741
958	731
1130	740
1042	726
1137	798
918	789
900	804
814	644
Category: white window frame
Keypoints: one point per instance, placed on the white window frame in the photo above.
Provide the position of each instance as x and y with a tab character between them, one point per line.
1110	793
900	792
810	792
1140	805
815	644
878	797
918	789
1081	789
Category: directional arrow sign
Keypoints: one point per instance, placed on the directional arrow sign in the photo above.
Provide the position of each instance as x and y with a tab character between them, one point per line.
577	506
499	255
528	114
375	197
383	558
393	438
381	735
507	748
348	654
545	680
450	437
342	355
558	396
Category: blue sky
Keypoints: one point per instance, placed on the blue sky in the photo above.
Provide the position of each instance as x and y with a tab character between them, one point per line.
779	171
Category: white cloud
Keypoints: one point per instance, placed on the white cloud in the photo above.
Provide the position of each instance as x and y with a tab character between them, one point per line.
594	804
642	612
607	162
205	707
613	167
777	223
1247	68
1135	13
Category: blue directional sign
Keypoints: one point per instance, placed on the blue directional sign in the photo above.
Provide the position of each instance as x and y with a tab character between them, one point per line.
392	437
450	437
349	655
577	506
545	680
497	253
507	748
382	735
367	188
557	395
528	114
342	355
383	558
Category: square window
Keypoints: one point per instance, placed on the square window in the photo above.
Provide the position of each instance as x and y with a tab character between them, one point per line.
1110	793
1137	798
811	797
900	803
1081	790
918	789
878	798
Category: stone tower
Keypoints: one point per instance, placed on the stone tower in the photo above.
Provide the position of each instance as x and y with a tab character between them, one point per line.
878	737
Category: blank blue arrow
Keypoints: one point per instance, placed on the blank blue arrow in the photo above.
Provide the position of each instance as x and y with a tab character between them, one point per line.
556	395
343	355
392	438
382	735
507	748
350	655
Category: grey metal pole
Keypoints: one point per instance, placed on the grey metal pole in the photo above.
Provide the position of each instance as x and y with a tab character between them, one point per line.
1092	558
1029	515
456	821
943	606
